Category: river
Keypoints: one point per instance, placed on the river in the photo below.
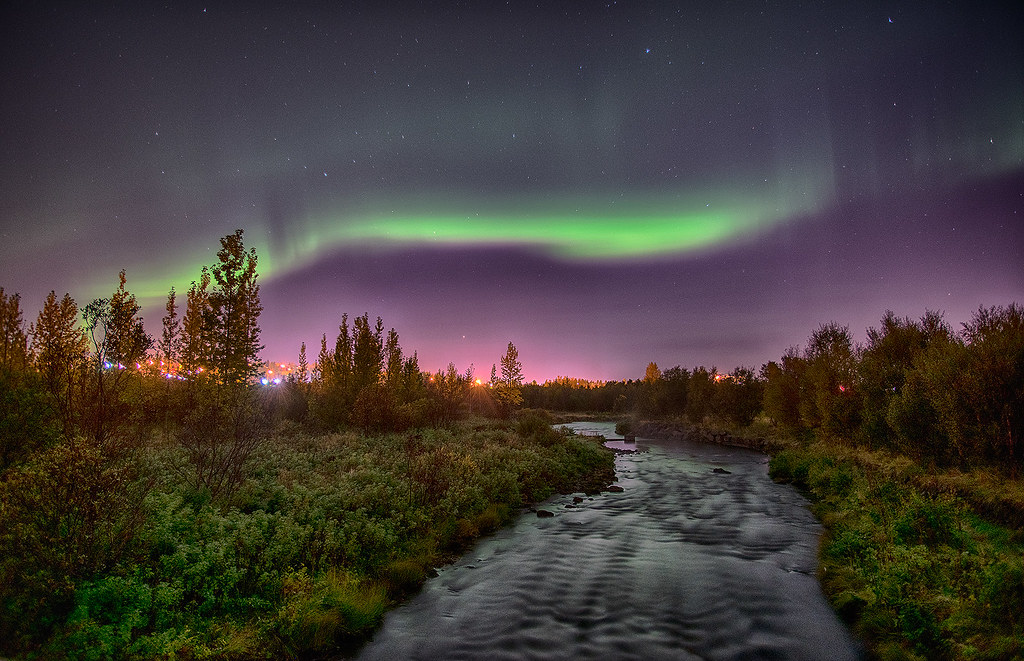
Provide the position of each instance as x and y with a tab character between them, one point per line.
701	556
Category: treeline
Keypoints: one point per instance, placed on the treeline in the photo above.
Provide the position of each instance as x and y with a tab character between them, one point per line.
367	381
94	372
916	386
699	395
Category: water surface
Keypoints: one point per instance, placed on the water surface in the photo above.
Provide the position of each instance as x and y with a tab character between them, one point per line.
688	562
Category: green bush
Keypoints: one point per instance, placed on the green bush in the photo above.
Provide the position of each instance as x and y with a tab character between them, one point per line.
911	571
300	560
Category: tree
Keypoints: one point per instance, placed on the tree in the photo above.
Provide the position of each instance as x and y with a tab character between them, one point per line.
170	336
887	360
195	332
781	397
447	390
675	383
59	351
738	397
116	330
13	339
303	374
119	343
994	387
508	392
340	364
701	393
367	353
828	399
234	306
392	362
224	421
649	395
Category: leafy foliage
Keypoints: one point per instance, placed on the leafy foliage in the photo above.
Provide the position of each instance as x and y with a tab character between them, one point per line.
319	536
908	566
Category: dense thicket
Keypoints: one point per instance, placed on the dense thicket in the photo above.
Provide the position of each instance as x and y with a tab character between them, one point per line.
916	387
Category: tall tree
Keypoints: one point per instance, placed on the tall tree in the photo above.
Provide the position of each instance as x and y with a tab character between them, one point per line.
392	361
890	355
59	351
119	343
994	388
170	335
447	390
675	382
367	353
781	398
828	390
340	377
13	339
195	331
235	310
303	368
700	394
650	393
509	391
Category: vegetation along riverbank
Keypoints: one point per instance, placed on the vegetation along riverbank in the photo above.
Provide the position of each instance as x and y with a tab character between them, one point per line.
921	561
157	501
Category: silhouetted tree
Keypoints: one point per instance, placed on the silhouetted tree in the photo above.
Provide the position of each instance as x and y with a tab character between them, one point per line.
196	327
59	352
303	368
447	390
234	306
367	353
700	395
675	382
781	399
994	388
508	391
828	397
889	357
13	338
119	342
738	397
170	337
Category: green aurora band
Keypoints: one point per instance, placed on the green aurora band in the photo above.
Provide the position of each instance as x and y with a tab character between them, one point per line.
608	232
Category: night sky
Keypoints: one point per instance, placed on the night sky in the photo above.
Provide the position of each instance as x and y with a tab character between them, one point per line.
603	184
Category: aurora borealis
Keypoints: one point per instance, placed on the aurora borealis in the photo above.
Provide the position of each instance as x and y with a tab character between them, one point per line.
603	184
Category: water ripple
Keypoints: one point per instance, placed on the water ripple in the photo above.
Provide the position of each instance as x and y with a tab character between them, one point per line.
686	564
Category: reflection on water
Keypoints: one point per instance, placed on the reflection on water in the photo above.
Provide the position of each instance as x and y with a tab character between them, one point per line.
701	556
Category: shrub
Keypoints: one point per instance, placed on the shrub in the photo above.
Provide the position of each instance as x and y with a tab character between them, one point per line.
107	613
534	424
69	514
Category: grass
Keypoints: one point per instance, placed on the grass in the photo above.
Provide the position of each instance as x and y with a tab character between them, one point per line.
918	562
